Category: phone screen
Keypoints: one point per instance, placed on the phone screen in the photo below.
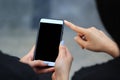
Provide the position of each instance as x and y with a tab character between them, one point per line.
49	38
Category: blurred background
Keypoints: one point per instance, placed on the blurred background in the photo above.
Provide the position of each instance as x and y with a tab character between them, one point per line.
19	24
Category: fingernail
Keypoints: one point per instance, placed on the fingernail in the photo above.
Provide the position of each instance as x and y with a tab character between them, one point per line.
62	43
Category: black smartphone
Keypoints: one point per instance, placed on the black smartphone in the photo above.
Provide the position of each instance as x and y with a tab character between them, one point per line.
49	37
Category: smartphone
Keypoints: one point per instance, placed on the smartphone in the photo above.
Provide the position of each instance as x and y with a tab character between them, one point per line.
49	38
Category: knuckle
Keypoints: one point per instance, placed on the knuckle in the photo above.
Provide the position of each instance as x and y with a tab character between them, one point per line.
101	31
85	45
93	28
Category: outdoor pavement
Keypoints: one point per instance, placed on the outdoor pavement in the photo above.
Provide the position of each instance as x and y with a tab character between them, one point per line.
19	41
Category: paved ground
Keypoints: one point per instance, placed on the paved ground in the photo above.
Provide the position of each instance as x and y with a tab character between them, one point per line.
19	41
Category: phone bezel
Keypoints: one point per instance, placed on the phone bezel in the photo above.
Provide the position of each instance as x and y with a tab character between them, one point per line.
50	21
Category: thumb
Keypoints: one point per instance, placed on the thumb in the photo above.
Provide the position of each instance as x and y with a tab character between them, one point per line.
80	41
62	49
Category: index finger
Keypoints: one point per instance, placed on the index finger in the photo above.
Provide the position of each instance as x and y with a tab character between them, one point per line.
74	27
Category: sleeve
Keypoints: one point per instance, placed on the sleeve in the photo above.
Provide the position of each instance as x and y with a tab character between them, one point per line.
106	71
16	58
12	69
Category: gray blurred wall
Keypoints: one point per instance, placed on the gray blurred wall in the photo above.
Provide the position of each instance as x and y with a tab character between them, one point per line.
15	13
25	14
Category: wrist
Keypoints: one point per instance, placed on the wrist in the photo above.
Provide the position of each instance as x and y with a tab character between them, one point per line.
62	77
113	50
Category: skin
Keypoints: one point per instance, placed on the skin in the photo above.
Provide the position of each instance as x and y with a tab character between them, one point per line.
28	59
94	40
62	64
90	38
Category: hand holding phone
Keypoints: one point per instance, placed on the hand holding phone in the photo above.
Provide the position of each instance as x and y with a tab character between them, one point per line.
49	37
